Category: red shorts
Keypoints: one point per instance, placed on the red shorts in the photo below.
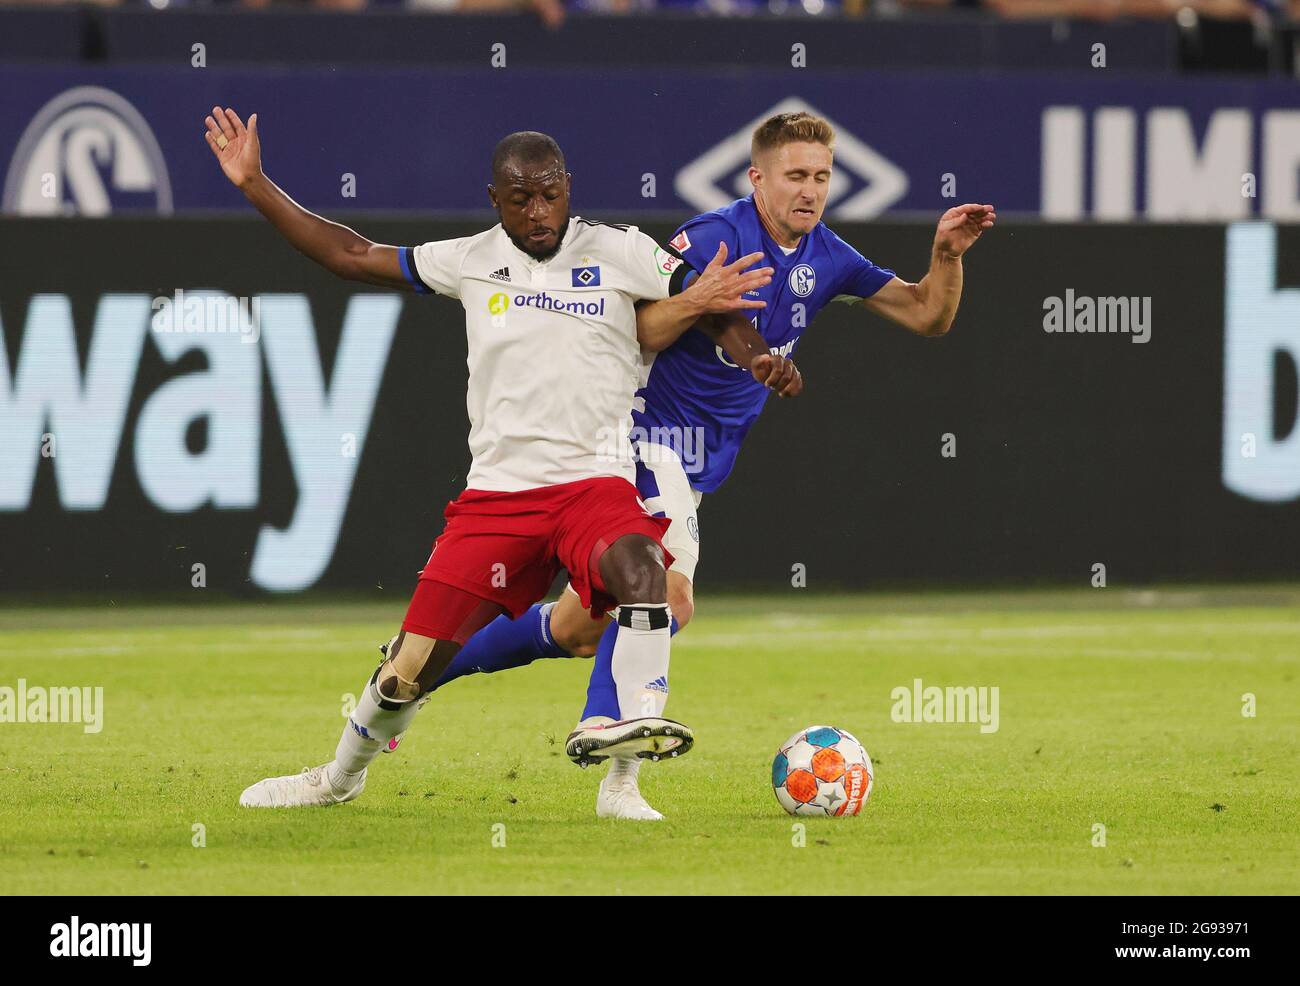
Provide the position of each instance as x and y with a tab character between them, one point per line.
507	548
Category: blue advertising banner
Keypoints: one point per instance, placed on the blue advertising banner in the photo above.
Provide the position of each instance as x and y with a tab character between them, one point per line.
1065	147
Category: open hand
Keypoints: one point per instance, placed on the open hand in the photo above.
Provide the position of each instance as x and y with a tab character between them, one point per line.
237	148
722	287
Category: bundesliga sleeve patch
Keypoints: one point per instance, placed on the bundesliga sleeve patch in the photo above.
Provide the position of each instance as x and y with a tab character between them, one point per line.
681	242
666	262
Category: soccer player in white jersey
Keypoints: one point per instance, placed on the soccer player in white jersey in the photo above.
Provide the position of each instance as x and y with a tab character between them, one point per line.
696	403
554	357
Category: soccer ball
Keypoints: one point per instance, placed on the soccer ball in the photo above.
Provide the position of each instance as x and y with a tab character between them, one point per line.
822	771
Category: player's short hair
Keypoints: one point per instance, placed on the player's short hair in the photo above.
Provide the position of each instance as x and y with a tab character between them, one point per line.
526	147
790	128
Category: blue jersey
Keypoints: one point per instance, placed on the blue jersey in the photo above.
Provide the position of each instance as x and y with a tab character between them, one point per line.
694	399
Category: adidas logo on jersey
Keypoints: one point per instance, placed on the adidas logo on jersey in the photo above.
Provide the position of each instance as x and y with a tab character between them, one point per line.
501	275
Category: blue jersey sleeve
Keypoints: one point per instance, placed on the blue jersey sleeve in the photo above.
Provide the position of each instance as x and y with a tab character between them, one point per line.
858	277
696	241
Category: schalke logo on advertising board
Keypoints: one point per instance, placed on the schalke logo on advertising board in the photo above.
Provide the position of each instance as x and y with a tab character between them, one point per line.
87	152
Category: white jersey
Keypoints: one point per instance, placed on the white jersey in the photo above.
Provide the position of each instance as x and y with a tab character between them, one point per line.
553	356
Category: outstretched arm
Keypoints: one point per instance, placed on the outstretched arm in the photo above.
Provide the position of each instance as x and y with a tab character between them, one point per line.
335	247
929	306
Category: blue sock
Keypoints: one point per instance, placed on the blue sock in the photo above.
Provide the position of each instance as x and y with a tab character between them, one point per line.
602	694
505	643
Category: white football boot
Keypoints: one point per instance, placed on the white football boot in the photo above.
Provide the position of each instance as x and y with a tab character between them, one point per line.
650	738
310	788
620	797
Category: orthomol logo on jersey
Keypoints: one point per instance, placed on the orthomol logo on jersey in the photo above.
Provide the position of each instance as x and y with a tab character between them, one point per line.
500	302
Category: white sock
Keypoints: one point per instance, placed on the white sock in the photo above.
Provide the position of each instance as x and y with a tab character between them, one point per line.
368	729
640	661
623	767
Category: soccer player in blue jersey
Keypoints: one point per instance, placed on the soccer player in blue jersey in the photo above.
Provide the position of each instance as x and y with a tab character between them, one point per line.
696	404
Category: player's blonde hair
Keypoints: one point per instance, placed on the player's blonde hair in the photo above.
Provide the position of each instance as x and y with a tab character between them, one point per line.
790	128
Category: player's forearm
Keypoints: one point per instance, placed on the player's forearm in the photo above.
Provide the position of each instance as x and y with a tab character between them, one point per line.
660	323
939	293
736	336
330	244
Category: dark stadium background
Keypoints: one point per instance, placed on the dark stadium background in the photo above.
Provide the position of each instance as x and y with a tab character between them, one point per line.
1072	450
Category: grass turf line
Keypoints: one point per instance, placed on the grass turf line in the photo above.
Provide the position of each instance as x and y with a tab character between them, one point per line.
1128	715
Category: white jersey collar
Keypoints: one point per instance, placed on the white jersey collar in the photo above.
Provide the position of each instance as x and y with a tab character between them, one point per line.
531	262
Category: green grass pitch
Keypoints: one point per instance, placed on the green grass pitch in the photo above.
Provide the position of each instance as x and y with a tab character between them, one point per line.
1118	708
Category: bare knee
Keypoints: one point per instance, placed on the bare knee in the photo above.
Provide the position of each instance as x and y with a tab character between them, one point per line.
585	642
573	628
681	598
633	570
